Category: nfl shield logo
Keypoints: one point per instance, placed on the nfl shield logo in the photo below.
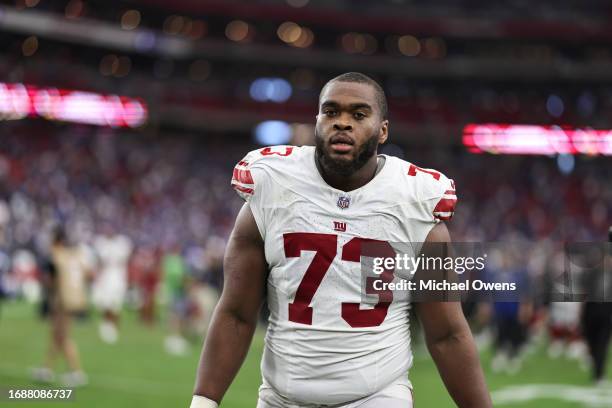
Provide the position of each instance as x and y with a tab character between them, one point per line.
344	202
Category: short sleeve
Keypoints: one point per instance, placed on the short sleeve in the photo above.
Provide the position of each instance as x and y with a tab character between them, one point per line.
250	183
437	194
242	180
445	206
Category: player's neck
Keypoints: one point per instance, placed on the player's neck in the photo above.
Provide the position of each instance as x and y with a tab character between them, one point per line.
354	181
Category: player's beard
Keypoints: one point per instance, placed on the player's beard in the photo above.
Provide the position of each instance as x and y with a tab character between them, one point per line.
344	167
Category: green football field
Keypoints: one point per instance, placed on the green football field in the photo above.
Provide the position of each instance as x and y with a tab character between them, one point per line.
137	372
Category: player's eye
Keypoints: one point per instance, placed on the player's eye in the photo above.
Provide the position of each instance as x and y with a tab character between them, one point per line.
329	112
359	115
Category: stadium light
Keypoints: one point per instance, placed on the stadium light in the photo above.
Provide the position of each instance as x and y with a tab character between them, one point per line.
537	140
18	101
270	89
273	132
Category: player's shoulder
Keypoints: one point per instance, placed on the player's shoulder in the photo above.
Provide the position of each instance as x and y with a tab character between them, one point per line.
271	156
424	179
434	190
274	162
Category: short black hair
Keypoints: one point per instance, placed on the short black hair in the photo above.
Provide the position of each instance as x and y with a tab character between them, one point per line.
360	78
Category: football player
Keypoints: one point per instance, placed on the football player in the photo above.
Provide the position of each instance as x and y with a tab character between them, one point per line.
311	213
109	289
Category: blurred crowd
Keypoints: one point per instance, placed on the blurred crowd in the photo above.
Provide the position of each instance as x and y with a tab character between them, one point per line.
165	208
509	198
163	203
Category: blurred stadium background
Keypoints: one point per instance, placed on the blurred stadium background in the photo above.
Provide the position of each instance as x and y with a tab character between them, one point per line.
130	115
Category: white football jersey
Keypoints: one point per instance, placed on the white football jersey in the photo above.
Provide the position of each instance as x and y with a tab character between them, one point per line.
114	254
322	346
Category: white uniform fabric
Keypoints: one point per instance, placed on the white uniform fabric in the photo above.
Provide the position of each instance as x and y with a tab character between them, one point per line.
398	394
565	314
202	402
329	350
110	286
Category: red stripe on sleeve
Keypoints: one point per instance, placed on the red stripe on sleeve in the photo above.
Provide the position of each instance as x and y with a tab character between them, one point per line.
243	176
243	189
445	205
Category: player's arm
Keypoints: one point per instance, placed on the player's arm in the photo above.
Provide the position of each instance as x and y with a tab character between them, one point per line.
235	317
450	341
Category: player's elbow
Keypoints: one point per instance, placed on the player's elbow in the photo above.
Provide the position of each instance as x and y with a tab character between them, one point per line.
237	315
448	342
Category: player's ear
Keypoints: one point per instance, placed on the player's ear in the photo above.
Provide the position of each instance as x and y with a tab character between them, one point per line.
384	132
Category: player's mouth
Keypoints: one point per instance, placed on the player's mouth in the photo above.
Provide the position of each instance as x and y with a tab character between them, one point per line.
341	143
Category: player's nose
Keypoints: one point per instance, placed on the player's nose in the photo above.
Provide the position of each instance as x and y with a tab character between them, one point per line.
342	125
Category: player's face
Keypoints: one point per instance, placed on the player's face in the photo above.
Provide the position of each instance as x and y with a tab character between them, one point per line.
349	126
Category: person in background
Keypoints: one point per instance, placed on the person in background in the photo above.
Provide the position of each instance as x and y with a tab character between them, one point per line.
597	315
564	330
5	266
145	267
65	278
511	314
113	251
174	273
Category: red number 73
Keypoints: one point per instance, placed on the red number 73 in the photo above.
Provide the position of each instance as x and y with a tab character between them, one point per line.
325	248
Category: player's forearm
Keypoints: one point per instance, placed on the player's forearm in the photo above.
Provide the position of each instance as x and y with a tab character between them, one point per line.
457	360
225	348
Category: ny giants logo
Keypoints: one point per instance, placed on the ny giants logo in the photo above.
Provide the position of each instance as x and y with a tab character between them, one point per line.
339	226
